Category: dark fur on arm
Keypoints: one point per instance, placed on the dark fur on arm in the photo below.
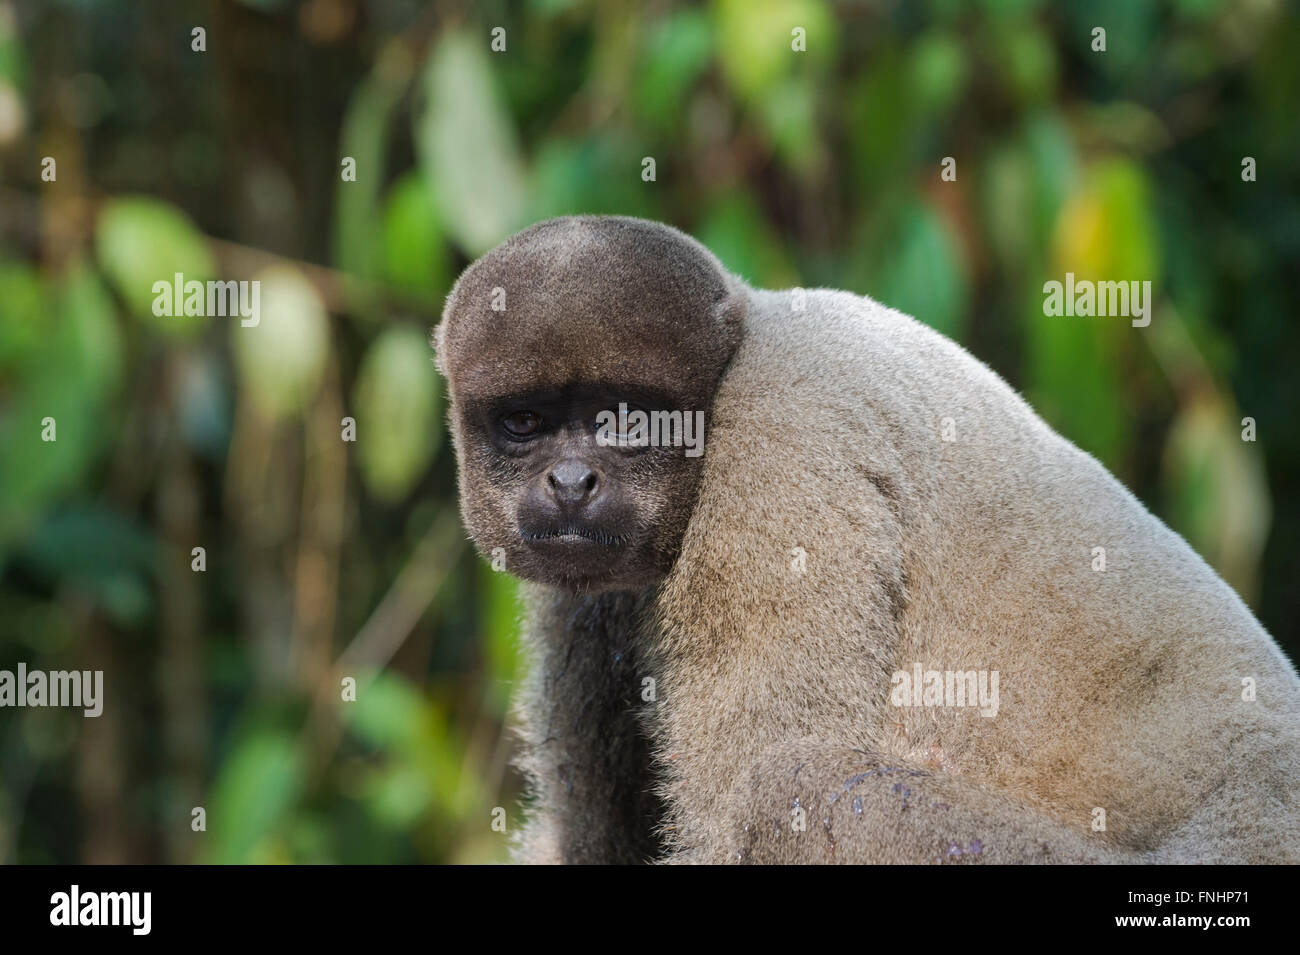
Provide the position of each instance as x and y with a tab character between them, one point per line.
585	752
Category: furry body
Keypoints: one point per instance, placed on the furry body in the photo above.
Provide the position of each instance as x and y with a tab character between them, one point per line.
941	522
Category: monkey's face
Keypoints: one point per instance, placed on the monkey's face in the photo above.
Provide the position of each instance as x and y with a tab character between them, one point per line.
582	356
561	484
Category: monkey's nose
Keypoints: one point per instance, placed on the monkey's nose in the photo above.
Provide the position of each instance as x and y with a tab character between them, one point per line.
571	482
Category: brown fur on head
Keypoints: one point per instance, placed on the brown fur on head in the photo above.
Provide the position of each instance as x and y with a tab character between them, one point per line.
590	311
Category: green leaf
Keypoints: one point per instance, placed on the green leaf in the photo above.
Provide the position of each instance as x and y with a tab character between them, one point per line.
364	138
1009	10
398	411
589	177
1131	33
1217	489
1105	231
1023	186
281	358
22	301
398	794
1026	60
256	789
13	66
100	552
677	52
740	237
918	270
68	374
90	336
789	114
500	613
1073	379
415	257
756	36
422	758
879	122
1006	199
388	712
140	241
938	71
468	147
1053	166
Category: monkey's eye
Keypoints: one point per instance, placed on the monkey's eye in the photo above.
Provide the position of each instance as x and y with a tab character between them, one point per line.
521	424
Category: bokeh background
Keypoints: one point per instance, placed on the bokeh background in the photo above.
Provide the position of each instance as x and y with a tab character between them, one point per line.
327	558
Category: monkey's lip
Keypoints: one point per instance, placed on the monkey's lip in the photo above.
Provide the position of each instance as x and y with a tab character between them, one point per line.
571	536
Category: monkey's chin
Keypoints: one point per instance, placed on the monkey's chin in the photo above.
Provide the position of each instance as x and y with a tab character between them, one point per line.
579	563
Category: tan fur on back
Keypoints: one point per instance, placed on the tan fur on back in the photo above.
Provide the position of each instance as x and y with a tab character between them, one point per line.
871	498
1119	689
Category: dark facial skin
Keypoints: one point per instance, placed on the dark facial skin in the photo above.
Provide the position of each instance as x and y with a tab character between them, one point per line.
597	311
586	517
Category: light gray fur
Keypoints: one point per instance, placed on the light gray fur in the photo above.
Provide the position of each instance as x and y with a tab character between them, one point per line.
1120	690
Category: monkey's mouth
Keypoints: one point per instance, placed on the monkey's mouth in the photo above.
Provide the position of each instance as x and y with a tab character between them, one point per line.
575	534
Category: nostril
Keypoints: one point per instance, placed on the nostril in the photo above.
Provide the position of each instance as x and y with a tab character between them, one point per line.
572	481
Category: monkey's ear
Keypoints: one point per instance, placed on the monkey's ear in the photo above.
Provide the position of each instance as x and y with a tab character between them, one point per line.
729	313
436	339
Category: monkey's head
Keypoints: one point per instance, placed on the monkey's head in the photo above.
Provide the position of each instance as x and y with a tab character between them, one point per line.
544	341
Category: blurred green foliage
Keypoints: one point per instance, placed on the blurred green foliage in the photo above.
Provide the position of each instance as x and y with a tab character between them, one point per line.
327	559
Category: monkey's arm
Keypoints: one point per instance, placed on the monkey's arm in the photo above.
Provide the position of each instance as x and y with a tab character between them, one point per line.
584	751
860	808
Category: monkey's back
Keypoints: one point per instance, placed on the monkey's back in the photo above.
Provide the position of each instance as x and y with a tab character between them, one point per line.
904	506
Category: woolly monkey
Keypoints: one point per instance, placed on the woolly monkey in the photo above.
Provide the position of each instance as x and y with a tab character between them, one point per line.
867	623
